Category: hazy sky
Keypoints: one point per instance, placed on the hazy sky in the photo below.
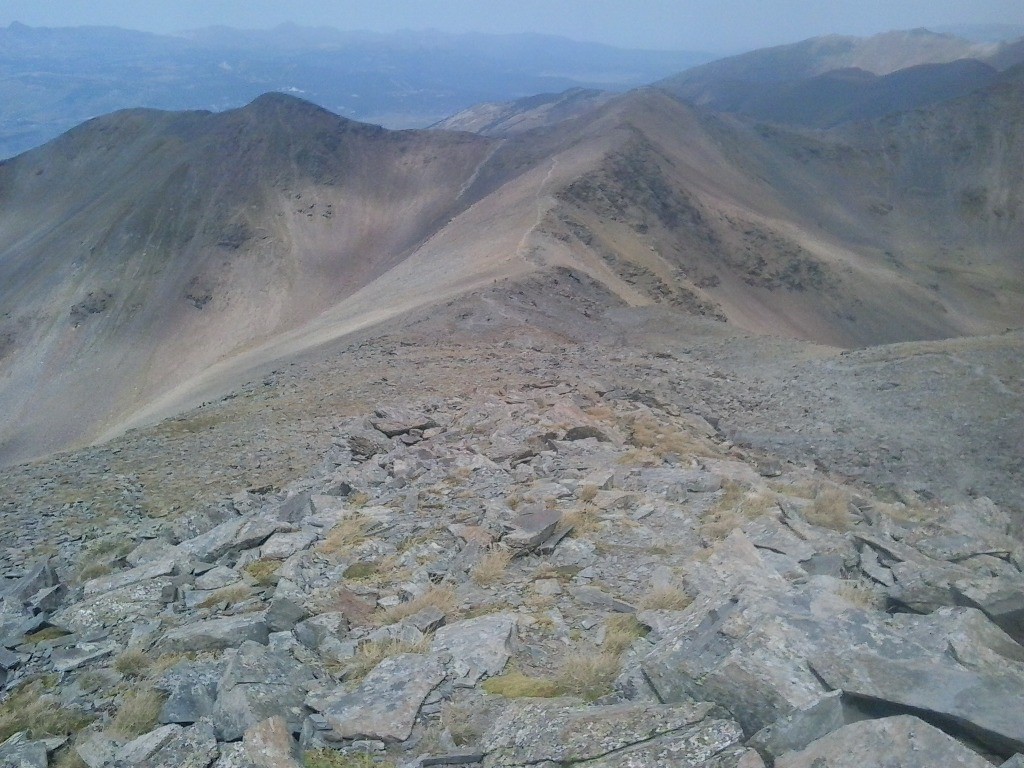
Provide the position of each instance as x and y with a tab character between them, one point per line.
714	25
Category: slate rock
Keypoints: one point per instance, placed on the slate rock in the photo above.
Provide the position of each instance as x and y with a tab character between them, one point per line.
385	704
216	634
563	731
20	752
39	576
191	689
479	647
365	443
799	729
531	529
72	657
165	567
988	704
902	741
394	421
1000	598
145	746
259	683
118	607
192	747
269	744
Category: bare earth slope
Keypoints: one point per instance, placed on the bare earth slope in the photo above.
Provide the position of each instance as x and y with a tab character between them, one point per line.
151	261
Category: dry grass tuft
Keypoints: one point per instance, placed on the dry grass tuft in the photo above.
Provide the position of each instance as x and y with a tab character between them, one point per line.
665	599
442	598
373	653
137	714
583	520
664	439
516	685
588	492
491	567
231	595
734	507
830	509
587	674
133	663
264	571
620	632
31	707
349	533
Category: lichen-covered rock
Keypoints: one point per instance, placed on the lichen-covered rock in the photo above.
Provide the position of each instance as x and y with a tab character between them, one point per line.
904	741
478	647
216	634
385	704
563	731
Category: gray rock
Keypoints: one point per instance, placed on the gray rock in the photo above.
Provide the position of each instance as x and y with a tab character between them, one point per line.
269	744
365	443
1001	598
427	620
316	630
146	745
394	421
80	654
258	684
385	704
38	577
767	532
596	598
232	536
562	732
118	607
295	508
191	689
901	741
96	749
799	729
479	647
986	704
281	546
531	529
19	752
284	612
165	567
217	578
192	747
216	634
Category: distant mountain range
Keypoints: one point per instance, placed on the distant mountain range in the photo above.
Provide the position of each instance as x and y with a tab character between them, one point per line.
53	79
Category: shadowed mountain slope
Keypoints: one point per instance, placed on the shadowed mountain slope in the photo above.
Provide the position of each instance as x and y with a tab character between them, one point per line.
826	81
150	261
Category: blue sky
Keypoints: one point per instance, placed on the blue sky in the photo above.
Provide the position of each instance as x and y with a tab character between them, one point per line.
720	25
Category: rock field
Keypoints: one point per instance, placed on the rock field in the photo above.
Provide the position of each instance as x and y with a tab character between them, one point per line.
544	570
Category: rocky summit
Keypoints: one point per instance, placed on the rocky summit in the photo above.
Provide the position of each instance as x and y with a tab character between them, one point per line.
548	572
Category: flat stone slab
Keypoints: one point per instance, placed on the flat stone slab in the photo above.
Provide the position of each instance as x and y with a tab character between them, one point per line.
385	704
479	647
563	731
902	741
216	634
73	657
166	567
987	704
123	606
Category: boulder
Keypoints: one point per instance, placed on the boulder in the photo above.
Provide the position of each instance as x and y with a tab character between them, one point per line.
902	741
563	732
385	705
118	607
191	689
21	752
216	634
259	683
192	747
269	744
479	647
988	705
